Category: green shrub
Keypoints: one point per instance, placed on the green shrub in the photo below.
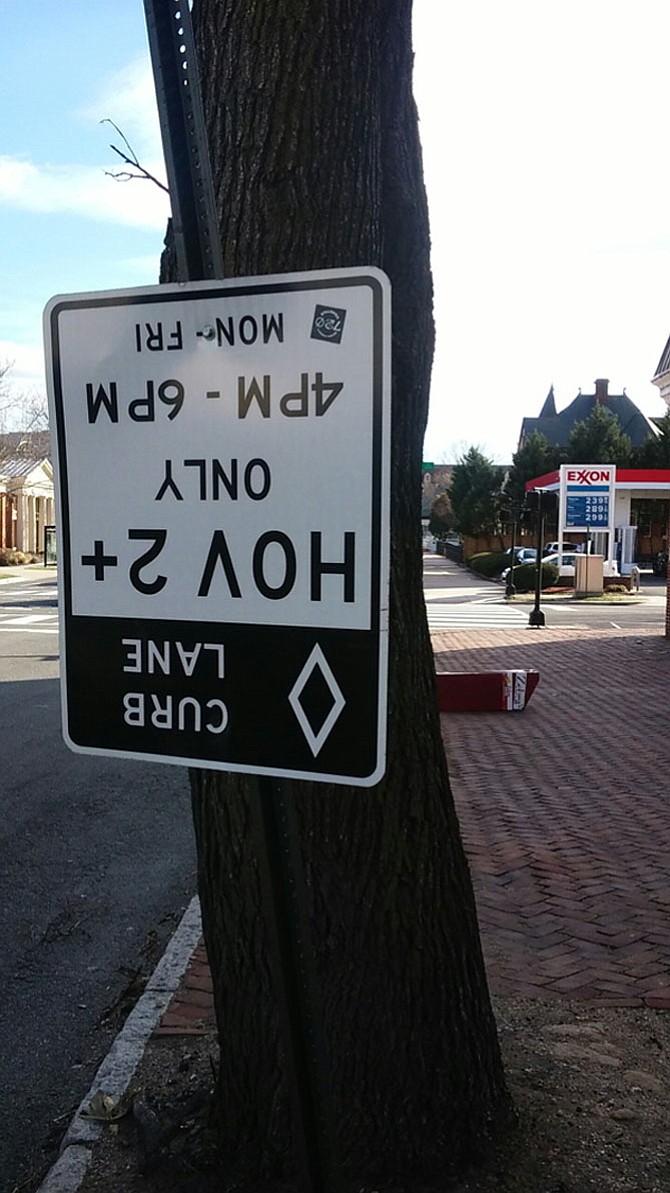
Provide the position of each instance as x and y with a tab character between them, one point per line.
524	576
488	563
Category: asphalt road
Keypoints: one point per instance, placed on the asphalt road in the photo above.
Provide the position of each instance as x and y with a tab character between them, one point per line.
456	598
97	862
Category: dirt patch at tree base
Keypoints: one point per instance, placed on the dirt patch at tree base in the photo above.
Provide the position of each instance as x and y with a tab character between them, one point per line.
591	1087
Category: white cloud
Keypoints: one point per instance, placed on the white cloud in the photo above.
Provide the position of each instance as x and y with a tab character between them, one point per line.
142	267
85	191
26	367
128	99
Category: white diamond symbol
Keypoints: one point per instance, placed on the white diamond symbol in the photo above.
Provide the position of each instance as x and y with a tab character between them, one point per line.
316	662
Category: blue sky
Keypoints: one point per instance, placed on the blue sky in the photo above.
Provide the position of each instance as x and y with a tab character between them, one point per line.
64	225
544	129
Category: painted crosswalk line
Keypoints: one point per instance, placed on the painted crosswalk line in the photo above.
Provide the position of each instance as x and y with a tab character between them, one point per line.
29	622
465	616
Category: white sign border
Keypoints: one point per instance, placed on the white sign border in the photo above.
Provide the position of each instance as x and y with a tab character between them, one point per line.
316	279
609	530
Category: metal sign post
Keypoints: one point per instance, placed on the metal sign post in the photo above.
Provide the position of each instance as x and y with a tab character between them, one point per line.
298	996
194	223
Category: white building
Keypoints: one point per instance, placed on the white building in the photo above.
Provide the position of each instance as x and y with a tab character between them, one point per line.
26	492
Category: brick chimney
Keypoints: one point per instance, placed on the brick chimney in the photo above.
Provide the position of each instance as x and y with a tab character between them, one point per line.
601	389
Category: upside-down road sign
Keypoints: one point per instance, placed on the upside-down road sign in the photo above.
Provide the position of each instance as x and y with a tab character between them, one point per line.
222	456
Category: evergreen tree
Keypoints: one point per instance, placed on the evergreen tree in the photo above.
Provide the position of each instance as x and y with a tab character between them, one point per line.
476	494
535	458
599	439
655	451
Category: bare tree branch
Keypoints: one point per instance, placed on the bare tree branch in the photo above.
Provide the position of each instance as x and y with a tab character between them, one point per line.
131	159
20	411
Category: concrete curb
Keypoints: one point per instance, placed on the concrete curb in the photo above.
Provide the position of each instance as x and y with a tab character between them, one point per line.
117	1069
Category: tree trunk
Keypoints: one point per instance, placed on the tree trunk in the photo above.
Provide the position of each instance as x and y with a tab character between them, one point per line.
316	162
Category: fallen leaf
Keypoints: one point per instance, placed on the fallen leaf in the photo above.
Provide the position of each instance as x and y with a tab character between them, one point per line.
107	1109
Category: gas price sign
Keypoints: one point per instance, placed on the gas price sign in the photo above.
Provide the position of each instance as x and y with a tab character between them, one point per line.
587	496
223	481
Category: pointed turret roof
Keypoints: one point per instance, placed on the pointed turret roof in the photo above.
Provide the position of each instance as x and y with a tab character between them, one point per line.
549	408
556	427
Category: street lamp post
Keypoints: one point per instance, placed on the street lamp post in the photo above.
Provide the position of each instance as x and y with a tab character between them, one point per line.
536	616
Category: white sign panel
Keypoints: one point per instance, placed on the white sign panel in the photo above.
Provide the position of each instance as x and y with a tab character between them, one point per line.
587	496
587	500
223	476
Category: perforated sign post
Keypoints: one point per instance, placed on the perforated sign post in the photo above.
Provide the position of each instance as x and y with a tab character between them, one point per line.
223	480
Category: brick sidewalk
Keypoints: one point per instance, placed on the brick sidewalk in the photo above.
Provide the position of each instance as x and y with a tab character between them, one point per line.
191	1012
565	815
565	812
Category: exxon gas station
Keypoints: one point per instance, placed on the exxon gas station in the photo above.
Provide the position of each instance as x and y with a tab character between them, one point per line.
595	500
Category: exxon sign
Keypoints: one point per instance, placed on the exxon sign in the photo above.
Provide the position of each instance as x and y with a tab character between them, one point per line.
589	476
587	497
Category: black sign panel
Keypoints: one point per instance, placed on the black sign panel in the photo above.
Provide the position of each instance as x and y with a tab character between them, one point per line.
263	696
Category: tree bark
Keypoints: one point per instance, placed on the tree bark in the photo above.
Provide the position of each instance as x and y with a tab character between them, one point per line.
316	162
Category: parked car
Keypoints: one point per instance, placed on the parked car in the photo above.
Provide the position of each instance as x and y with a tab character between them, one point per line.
522	554
660	564
553	548
567	565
